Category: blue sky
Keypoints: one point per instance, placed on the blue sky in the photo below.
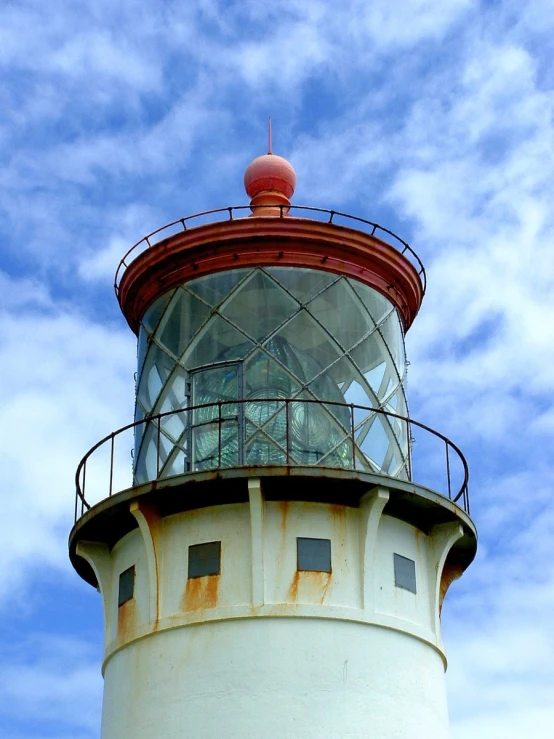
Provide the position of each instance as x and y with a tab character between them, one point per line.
433	118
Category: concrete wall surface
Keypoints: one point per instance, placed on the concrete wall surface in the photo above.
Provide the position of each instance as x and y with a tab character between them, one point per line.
265	647
277	678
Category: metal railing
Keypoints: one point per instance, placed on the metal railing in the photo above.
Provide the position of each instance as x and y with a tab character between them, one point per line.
106	464
232	212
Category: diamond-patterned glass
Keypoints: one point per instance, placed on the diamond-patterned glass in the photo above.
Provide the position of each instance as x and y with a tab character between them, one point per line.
214	288
342	313
302	283
181	321
259	306
218	341
312	341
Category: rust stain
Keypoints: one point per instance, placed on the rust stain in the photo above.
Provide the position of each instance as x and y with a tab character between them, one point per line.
126	620
284	508
200	593
449	574
337	511
152	519
292	595
419	540
312	586
338	516
281	558
324	582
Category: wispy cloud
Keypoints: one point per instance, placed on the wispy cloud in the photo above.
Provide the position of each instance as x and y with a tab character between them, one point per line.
435	119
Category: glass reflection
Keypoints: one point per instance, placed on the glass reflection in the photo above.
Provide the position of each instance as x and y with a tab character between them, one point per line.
296	346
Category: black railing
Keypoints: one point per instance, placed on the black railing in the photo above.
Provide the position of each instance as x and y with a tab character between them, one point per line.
229	214
352	447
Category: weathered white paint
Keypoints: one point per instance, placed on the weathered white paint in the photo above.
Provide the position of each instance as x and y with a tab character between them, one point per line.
276	678
263	649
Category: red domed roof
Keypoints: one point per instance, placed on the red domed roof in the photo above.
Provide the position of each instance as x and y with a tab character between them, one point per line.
270	173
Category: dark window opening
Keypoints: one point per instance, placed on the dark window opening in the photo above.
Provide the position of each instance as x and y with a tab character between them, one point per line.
404	573
313	555
126	586
205	559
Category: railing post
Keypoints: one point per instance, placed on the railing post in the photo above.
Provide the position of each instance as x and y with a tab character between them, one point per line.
287	440
353	440
448	471
219	435
158	450
111	463
84	486
409	432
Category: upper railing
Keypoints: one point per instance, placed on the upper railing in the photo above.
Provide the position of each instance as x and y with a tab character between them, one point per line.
232	212
107	468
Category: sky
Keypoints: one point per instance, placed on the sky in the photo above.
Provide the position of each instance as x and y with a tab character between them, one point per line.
433	118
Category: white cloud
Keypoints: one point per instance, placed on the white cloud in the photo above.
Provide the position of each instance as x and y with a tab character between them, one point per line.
437	114
54	682
66	383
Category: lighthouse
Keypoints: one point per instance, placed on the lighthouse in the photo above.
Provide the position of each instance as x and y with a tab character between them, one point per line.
273	535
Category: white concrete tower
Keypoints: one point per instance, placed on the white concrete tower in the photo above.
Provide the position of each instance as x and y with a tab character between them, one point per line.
275	562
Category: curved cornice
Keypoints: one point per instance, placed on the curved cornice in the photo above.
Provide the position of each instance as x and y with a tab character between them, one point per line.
269	241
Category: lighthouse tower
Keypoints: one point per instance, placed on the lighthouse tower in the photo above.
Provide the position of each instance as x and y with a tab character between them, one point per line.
272	561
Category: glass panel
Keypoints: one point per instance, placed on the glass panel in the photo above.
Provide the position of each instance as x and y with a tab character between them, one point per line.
166	447
401	405
259	305
174	393
302	283
313	431
157	368
142	348
303	347
376	443
214	385
392	334
177	464
265	378
269	415
376	304
261	450
341	456
357	394
181	321
213	447
174	424
341	312
154	313
217	342
146	460
214	288
369	354
375	376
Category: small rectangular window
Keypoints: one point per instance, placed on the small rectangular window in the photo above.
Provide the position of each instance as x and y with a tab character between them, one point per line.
404	573
205	559
313	554
126	586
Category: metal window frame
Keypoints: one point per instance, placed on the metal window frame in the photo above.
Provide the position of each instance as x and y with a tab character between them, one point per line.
299	554
197	548
403	578
124	577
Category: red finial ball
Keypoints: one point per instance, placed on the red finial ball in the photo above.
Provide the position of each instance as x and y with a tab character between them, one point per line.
270	173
